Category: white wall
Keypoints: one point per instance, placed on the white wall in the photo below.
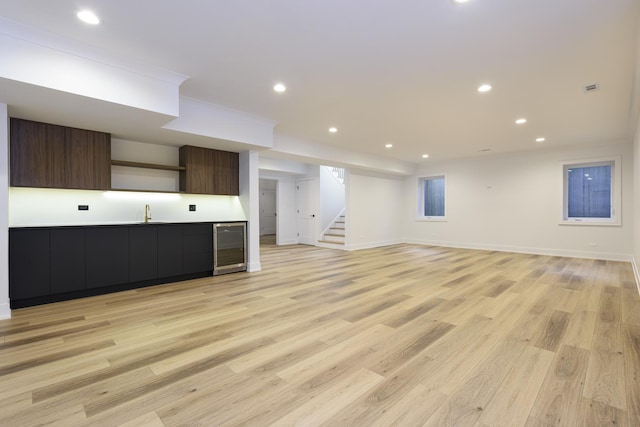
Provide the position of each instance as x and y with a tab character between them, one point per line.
29	56
30	207
513	202
126	178
214	121
636	204
374	204
291	167
332	198
5	312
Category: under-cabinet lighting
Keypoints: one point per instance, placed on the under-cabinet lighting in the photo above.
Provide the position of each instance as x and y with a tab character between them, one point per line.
141	196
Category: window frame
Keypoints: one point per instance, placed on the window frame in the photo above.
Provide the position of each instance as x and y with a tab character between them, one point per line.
420	208
616	191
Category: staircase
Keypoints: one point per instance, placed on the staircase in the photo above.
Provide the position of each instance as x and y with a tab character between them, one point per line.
335	233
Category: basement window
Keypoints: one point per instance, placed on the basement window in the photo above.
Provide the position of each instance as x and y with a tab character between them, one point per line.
591	193
432	198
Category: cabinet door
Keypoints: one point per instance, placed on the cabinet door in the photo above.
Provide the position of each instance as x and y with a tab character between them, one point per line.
88	159
209	171
67	260
197	178
198	248
169	250
107	256
46	155
225	173
143	252
28	263
37	154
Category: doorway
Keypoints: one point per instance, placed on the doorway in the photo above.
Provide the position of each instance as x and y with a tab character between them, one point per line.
268	206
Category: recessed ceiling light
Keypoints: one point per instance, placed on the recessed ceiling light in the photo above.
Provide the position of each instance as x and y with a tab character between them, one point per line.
484	88
279	87
425	156
540	139
388	145
521	121
333	130
88	17
459	1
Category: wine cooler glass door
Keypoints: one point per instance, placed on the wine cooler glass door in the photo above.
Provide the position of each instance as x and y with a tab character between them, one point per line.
230	248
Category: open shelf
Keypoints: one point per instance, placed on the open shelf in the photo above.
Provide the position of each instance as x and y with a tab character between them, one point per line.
146	165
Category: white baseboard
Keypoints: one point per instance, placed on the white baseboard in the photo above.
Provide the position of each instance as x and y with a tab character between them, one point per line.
252	267
288	242
636	273
5	311
371	245
527	250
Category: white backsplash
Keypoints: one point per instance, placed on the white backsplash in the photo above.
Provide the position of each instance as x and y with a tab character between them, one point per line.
30	207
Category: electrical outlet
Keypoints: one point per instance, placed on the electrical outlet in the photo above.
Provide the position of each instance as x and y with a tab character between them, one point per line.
83	207
192	208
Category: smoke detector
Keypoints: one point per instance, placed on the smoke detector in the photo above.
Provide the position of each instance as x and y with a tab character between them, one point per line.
591	88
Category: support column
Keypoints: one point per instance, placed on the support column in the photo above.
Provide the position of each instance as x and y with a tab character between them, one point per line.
5	312
249	199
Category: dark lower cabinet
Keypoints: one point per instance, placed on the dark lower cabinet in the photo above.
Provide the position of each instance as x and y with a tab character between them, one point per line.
49	264
197	254
28	263
107	256
143	253
169	250
67	260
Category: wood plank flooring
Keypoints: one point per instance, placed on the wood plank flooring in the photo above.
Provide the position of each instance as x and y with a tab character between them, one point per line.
404	335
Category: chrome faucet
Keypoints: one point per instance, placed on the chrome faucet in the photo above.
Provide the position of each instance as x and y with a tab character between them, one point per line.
147	213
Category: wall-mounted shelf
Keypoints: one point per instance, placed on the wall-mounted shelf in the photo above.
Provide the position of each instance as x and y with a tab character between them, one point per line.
146	165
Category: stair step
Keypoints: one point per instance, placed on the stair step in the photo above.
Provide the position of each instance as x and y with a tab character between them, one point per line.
333	242
334	234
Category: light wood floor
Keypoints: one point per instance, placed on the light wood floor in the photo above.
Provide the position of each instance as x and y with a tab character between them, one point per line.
403	335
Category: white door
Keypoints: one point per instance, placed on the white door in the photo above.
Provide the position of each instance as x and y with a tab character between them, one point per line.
307	208
267	212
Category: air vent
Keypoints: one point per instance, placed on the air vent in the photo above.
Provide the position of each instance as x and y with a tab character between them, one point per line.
591	88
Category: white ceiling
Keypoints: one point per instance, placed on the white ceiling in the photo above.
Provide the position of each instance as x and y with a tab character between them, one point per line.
381	71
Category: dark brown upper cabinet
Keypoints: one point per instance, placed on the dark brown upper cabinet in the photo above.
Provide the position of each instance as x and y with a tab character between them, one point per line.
88	159
208	171
225	173
52	156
